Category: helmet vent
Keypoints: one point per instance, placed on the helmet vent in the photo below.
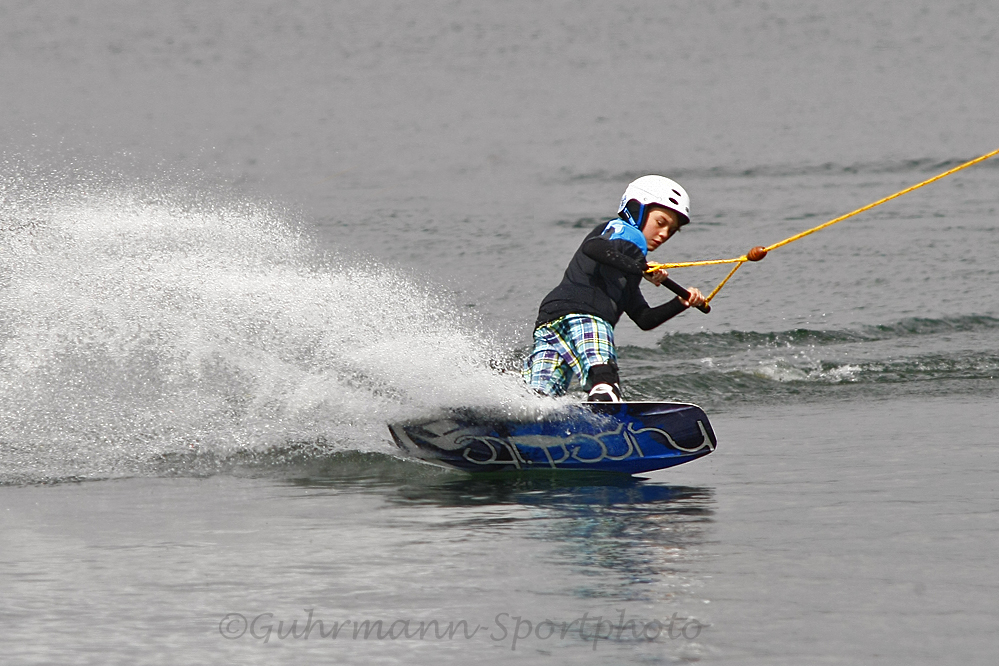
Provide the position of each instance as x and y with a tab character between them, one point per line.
674	201
677	193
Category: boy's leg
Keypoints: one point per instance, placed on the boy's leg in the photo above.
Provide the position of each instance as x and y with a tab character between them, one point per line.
545	370
580	345
593	340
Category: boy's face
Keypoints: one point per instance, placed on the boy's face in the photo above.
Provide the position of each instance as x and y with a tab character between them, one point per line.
660	225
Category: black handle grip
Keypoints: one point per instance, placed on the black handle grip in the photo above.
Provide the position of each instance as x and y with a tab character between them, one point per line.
683	293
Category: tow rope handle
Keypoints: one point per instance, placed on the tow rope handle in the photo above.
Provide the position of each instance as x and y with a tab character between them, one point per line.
683	293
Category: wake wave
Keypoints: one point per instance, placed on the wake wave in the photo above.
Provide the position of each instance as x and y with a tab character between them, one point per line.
781	378
138	326
690	345
924	356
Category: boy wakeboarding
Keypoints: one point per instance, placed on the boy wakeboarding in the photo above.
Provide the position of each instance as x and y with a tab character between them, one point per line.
574	333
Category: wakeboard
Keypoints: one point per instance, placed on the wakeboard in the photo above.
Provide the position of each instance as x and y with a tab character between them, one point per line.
626	437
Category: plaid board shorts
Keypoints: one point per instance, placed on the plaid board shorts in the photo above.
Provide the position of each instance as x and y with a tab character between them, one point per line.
565	348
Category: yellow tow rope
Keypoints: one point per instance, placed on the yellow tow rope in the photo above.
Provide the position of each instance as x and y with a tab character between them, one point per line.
757	253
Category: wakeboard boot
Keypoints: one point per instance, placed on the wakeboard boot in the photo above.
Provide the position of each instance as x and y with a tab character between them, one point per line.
605	384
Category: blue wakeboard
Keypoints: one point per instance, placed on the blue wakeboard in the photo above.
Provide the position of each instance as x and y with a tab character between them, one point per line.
629	437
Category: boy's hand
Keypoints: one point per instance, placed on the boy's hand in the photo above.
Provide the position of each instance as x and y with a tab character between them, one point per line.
696	298
656	276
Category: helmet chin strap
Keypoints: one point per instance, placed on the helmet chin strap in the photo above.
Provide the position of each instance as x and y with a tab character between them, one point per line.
626	215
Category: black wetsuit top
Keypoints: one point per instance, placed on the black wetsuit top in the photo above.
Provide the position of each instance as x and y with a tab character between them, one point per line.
603	280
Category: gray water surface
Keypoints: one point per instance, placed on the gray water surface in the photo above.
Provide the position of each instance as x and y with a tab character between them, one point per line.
238	239
840	535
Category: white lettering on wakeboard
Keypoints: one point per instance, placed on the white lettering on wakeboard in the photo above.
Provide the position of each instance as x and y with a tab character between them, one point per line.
581	447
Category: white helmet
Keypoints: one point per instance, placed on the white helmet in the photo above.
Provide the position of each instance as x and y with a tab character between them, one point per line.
656	190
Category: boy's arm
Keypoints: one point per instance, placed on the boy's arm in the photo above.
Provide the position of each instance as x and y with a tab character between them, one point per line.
647	317
602	251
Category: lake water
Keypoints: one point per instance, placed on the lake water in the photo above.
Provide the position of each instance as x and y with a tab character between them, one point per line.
238	239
